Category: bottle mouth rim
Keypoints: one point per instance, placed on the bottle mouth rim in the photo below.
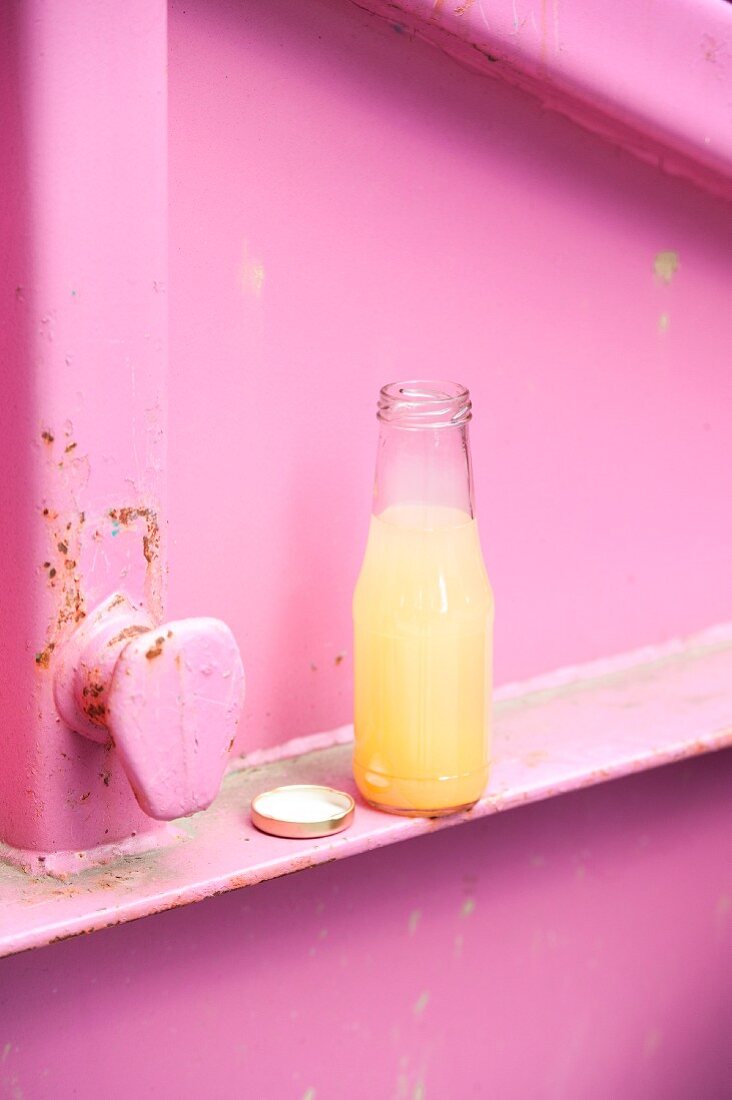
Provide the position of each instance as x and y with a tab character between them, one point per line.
424	403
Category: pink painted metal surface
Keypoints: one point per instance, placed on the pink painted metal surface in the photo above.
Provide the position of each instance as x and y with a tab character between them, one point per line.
83	438
84	375
167	697
348	205
601	64
579	947
175	700
573	729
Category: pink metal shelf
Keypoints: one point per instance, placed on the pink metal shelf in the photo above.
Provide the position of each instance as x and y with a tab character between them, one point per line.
558	733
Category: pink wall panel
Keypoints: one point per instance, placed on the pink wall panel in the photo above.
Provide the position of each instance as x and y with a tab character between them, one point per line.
350	206
576	948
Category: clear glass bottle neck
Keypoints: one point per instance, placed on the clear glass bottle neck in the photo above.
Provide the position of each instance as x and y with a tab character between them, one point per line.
423	460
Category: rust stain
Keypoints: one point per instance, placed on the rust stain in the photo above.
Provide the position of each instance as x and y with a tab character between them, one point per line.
151	538
464	7
128	632
64	580
47	436
157	649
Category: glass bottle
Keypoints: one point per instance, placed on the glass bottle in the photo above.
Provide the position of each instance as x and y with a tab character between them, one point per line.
423	613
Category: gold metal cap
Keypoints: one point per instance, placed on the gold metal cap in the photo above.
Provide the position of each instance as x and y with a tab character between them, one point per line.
302	810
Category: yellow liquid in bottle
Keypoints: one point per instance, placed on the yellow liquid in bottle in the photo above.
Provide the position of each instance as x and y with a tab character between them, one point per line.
423	616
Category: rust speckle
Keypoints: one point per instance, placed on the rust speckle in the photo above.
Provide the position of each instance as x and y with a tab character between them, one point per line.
43	659
117	601
83	799
157	649
96	711
231	745
52	573
340	657
62	548
47	436
69	447
105	778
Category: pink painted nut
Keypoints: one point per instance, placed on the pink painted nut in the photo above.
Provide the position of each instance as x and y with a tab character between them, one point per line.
169	697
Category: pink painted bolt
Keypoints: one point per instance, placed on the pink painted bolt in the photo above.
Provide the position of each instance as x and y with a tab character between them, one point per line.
168	697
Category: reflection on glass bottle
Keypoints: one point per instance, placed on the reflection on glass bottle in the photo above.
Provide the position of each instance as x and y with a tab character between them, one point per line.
423	613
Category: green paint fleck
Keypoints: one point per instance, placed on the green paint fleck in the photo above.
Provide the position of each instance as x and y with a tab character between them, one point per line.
6	1051
663	322
468	907
665	265
421	1003
309	1094
414	918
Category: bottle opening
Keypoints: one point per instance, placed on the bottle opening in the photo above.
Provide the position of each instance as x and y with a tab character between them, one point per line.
424	404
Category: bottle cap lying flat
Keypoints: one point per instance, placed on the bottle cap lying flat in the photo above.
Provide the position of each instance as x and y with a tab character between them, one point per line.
302	810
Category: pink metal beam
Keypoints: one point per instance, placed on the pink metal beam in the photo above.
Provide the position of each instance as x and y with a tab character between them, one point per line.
82	419
636	72
555	734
